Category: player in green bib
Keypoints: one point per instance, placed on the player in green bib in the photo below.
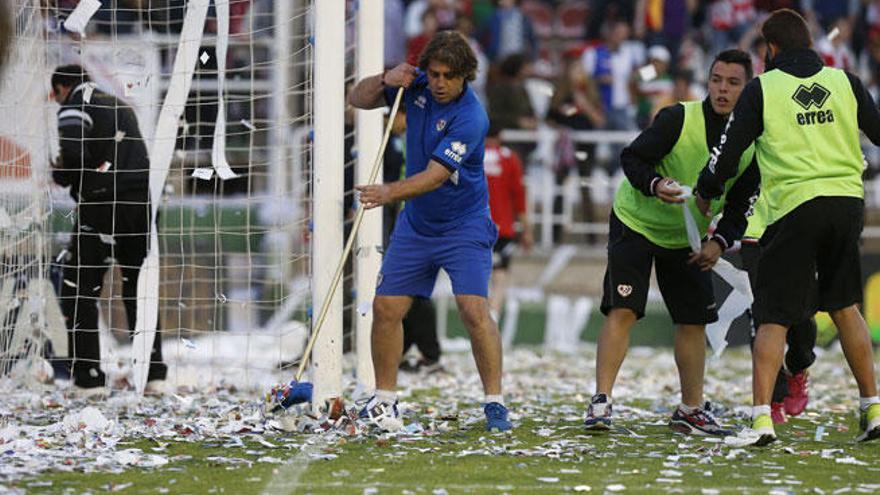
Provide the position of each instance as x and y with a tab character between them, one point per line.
804	121
647	227
790	392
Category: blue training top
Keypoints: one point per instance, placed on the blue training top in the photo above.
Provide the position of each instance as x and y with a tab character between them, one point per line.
454	135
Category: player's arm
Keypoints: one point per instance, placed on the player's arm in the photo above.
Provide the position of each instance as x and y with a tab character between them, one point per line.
73	127
423	182
641	158
745	124
369	92
868	115
739	200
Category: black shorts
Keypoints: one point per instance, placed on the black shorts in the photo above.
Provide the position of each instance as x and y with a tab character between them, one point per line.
686	290
810	261
501	253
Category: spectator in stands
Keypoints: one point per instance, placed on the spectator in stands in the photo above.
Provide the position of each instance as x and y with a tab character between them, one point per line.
416	44
576	106
509	104
612	63
602	11
509	32
507	203
836	52
445	10
664	22
655	84
692	57
466	27
729	20
395	37
767	6
828	12
759	55
682	90
873	65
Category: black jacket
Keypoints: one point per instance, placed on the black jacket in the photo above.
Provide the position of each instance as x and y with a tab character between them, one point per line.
747	120
644	154
103	155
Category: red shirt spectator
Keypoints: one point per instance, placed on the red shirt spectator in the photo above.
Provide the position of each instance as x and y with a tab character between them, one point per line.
507	195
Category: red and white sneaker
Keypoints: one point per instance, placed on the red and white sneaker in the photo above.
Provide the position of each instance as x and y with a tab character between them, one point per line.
798	395
777	413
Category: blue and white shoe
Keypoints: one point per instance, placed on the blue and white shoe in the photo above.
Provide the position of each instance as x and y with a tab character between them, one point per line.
598	413
496	417
383	415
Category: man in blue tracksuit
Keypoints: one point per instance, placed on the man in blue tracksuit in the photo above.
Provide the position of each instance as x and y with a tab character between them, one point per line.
445	223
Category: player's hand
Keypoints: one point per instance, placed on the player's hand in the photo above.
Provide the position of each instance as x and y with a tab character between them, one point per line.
401	76
668	191
374	195
703	204
526	240
708	255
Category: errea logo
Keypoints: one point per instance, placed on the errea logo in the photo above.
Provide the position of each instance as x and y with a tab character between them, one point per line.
456	151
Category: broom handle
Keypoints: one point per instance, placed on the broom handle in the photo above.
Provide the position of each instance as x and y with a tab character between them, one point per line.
325	306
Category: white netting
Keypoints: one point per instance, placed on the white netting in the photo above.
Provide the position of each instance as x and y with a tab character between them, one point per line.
26	298
233	243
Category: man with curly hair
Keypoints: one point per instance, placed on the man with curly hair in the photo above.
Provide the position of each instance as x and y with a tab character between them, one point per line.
446	221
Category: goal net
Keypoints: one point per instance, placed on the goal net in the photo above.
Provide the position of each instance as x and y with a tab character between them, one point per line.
222	91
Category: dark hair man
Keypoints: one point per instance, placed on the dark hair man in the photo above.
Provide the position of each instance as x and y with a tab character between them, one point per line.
803	119
648	227
445	223
104	161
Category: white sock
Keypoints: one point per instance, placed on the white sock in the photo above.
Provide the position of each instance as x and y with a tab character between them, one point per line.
494	398
760	411
687	409
865	402
386	396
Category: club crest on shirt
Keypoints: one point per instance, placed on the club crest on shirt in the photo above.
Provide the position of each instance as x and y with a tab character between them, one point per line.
441	124
624	290
454	177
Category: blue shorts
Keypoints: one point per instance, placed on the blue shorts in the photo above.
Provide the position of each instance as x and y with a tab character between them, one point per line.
412	261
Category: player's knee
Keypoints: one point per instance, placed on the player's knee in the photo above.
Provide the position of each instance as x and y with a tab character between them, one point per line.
387	311
624	317
476	317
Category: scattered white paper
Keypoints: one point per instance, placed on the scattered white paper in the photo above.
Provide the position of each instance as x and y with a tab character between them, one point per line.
648	73
203	173
81	16
833	34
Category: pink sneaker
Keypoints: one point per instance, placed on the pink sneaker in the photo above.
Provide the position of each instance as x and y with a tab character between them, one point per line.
798	395
777	413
